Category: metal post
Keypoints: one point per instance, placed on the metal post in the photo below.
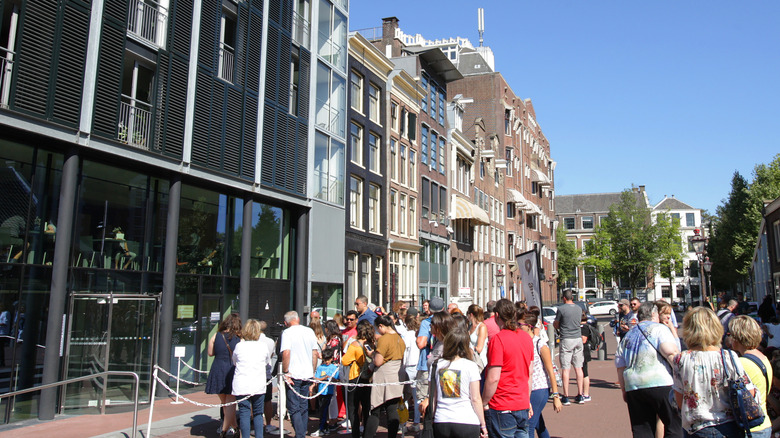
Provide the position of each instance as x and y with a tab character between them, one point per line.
151	403
169	274
59	285
551	339
246	261
178	379
282	402
602	345
301	254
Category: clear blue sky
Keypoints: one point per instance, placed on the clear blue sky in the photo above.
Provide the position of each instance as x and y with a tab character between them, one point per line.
629	92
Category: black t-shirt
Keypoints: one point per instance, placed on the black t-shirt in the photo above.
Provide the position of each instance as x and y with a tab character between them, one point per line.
585	330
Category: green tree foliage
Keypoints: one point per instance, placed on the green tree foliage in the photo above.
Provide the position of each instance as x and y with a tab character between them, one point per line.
670	249
567	256
735	227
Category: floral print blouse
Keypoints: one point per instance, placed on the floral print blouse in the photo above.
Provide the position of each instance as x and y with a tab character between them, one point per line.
699	377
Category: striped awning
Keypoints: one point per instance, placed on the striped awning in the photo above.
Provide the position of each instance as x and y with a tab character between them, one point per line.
463	209
517	197
540	177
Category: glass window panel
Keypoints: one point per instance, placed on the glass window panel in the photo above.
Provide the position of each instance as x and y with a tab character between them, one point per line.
270	242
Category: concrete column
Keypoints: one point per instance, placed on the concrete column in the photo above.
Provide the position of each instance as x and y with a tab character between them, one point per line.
246	261
301	278
169	278
59	285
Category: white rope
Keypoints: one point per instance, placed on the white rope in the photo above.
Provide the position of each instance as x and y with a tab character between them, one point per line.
364	385
324	387
179	378
168	388
193	369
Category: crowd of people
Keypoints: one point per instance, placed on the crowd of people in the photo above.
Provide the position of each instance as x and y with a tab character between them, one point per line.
490	372
679	385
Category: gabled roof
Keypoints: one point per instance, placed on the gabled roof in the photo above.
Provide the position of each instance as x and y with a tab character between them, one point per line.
591	202
672	204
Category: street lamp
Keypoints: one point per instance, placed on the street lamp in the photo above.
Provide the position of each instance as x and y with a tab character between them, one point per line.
699	242
707	266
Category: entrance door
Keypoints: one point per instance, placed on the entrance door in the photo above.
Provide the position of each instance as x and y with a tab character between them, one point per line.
109	333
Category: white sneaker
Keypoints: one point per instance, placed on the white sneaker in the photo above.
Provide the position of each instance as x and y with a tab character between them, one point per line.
317	433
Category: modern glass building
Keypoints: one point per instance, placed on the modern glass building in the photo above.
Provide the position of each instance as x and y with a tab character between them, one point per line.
162	164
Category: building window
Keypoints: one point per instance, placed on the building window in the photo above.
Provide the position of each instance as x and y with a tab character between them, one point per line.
352	261
356	143
690	220
402	175
374	210
295	77
331	100
402	214
365	275
424	85
333	35
356	91
590	277
776	228
412	216
355	202
676	218
434	201
509	160
510	210
227	48
442	146
424	144
373	153
587	222
373	103
507	121
531	221
394	116
442	203
510	255
441	107
432	149
393	160
412	180
426	197
393	211
568	222
329	169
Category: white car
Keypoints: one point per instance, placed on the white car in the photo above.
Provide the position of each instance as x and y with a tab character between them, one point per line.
604	308
548	314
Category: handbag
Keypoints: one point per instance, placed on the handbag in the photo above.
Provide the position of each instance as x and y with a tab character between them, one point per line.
747	412
403	412
427	431
478	360
556	372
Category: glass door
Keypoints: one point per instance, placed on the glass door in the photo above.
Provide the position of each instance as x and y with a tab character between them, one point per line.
110	333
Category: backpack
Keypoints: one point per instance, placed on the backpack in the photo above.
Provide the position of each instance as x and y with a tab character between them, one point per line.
747	411
593	338
367	370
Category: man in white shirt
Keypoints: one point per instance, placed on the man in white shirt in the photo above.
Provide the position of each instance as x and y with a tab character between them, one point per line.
299	360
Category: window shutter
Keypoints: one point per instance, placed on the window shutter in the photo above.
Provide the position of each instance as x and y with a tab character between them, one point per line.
249	153
216	127
71	60
175	106
200	129
303	84
109	74
233	131
284	58
269	149
301	158
35	57
211	14
181	26
253	52
272	65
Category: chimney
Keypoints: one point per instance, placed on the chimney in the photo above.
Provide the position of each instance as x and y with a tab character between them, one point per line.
641	188
389	26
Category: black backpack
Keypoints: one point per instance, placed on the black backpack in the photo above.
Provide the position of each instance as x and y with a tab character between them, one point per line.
593	338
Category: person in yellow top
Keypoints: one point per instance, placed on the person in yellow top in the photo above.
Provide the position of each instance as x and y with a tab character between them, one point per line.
354	358
745	336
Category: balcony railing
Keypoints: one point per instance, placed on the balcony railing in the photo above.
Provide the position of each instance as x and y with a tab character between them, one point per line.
328	118
135	122
148	21
6	69
371	33
300	32
226	62
330	50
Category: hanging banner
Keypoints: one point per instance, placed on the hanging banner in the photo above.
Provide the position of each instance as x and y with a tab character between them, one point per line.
529	276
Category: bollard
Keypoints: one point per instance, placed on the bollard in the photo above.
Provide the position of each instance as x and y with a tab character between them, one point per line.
551	339
603	346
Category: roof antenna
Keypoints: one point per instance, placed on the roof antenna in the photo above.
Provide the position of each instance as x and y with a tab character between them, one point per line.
481	24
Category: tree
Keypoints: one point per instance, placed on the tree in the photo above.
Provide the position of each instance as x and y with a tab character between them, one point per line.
627	243
670	249
733	237
567	256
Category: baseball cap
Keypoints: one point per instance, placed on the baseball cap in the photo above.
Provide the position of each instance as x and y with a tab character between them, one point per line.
436	304
624	302
412	311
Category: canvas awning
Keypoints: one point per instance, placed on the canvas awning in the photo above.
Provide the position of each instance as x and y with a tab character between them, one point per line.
540	177
517	197
463	209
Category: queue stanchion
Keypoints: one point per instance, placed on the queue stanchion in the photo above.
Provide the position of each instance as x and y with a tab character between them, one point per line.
151	402
282	401
178	353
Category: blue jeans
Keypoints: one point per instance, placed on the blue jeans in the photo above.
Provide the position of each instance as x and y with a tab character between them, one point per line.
725	430
298	407
324	410
412	372
251	408
536	423
507	424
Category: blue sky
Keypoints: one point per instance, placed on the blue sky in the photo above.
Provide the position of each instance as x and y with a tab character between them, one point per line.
673	95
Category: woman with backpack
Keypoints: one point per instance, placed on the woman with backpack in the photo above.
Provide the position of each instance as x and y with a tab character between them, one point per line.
387	359
355	359
700	378
745	336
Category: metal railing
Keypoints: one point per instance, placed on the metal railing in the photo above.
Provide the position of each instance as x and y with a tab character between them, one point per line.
89	377
6	70
328	118
330	50
371	33
135	122
147	20
225	62
300	31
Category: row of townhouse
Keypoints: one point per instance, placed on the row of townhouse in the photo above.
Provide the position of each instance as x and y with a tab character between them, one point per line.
164	164
449	175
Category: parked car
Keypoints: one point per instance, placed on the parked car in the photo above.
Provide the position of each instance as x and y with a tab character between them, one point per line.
604	308
591	320
548	314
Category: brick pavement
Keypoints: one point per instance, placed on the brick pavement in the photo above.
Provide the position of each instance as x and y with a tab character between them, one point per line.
605	415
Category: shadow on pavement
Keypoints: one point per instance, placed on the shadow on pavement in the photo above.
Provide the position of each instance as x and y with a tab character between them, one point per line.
598	383
203	425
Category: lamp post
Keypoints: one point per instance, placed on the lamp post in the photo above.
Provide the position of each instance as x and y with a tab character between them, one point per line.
699	242
707	266
499	275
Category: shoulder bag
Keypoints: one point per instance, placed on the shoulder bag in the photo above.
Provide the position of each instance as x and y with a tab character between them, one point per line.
747	412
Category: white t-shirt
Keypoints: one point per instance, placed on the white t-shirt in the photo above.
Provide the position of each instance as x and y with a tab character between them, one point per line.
411	353
301	341
453	392
251	359
271	350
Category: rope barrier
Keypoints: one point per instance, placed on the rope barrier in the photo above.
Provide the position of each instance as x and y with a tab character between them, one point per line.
193	369
196	403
